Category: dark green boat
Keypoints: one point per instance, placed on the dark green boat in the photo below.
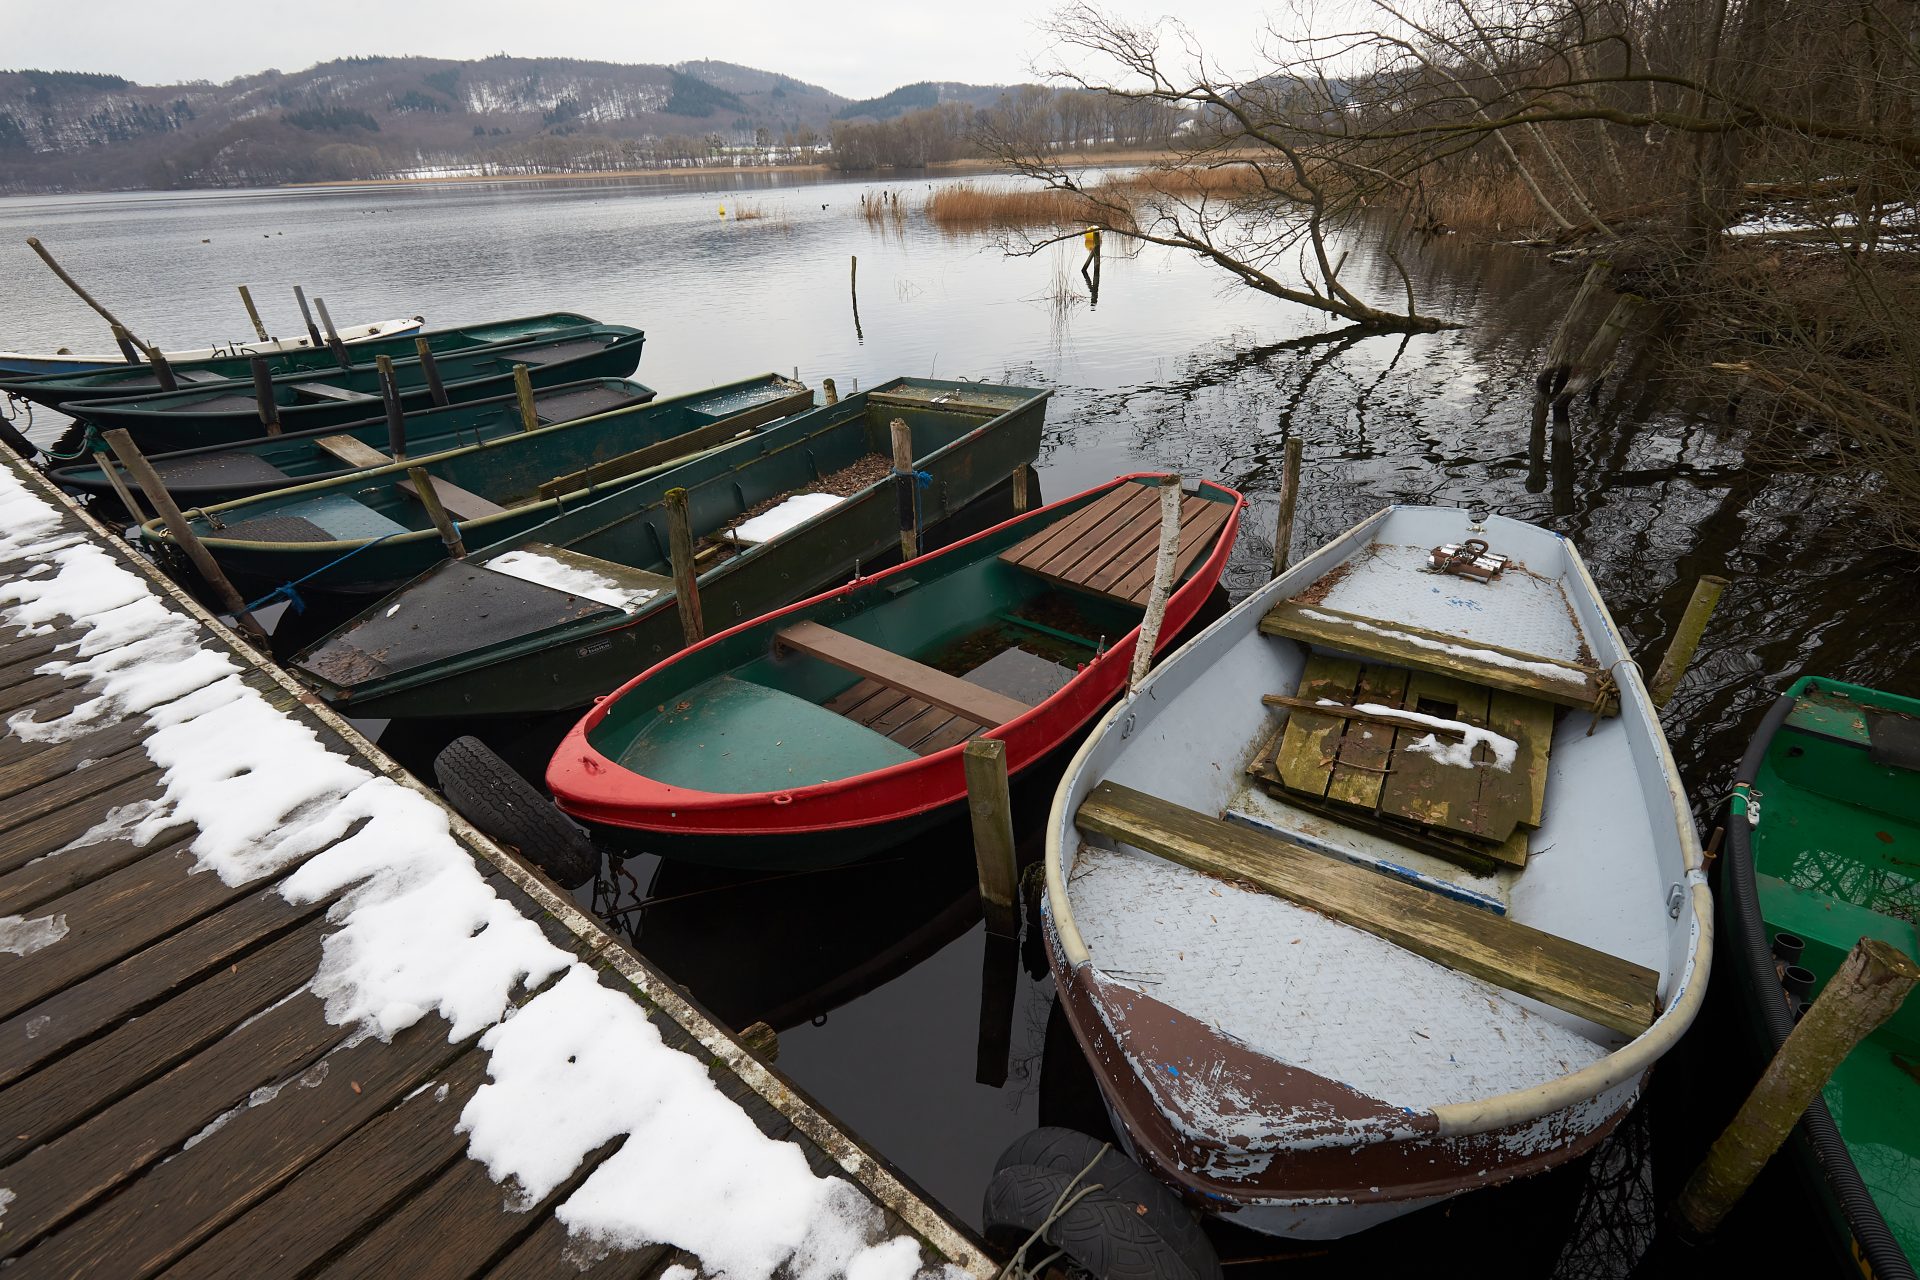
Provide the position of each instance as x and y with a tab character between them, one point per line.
369	532
226	412
121	381
550	619
1823	849
228	472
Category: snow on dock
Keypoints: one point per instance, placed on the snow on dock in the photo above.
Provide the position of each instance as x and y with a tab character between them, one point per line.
267	1006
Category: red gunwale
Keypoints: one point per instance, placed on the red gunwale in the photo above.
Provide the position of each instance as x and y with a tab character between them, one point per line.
593	788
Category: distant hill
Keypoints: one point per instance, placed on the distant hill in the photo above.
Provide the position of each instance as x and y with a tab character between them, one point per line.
918	97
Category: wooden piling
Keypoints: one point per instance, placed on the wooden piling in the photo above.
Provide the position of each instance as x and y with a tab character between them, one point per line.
122	335
1595	362
176	524
334	344
162	370
523	391
449	532
124	340
999	996
1289	500
306	316
1022	499
1863	993
1686	638
429	366
1162	582
390	401
904	487
132	504
990	805
1555	371
831	392
263	402
686	577
762	1041
253	314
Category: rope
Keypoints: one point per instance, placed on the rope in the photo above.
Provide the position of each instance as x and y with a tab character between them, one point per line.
1017	1266
921	480
290	591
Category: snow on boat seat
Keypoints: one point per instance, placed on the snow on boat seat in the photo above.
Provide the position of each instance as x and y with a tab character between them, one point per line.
1604	989
1109	546
577	573
791	514
332	517
934	687
459	503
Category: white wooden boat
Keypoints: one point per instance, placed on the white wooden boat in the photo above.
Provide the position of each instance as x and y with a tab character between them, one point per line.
23	364
1331	968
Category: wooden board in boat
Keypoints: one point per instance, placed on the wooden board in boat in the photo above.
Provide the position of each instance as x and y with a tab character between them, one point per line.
1109	548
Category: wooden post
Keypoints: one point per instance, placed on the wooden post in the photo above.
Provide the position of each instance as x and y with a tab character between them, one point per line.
429	366
120	490
523	390
1021	498
334	344
33	243
162	370
686	578
390	400
263	396
1554	373
176	525
853	290
313	332
449	533
1162	581
253	313
124	340
904	487
762	1041
1289	500
990	805
1686	638
999	994
1597	359
1863	993
831	392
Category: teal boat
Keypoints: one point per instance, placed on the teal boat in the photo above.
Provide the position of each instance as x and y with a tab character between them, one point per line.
228	472
223	414
549	619
235	366
370	531
1823	849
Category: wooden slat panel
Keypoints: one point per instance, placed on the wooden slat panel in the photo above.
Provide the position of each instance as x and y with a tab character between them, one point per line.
1529	722
1069	557
60	828
355	453
1305	758
548	1252
69	789
54	760
1196	543
1041	545
1422	789
1605	989
1136	564
1366	749
961	697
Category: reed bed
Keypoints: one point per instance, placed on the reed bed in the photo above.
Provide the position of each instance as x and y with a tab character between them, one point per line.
969	206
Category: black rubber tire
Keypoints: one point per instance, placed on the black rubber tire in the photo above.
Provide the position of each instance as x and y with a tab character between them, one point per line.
486	791
1108	1239
1069	1151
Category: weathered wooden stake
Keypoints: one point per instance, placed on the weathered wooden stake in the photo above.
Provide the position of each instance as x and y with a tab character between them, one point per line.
1021	498
999	994
686	577
390	400
1162	581
1863	993
1686	638
121	334
313	331
176	524
124	340
334	344
523	389
431	368
1597	359
1554	373
904	484
263	395
762	1041
120	490
990	805
253	314
1289	499
162	370
449	532
831	392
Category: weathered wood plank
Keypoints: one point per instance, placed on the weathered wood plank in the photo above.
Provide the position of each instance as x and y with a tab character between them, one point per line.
550	1251
1366	750
1423	789
961	697
355	453
1567	975
31	692
69	789
58	759
1304	761
61	828
1042	545
1529	722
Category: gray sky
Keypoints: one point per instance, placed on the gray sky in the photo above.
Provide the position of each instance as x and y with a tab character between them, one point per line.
860	48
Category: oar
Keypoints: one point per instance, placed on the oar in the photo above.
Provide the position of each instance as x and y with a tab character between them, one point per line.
253	313
129	345
334	344
313	330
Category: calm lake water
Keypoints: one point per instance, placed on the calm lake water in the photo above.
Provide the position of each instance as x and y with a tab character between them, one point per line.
874	974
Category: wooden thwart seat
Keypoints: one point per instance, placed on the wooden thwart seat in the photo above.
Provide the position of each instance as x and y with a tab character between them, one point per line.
327	391
1108	547
459	503
936	688
1605	989
920	727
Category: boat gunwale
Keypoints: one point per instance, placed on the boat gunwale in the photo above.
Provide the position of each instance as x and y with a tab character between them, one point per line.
350	335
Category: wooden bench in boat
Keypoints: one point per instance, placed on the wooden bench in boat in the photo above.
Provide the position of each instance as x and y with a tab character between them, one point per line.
917	725
936	688
327	391
459	503
1108	547
1612	992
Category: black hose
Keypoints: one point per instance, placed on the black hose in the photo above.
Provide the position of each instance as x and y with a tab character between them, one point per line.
1870	1232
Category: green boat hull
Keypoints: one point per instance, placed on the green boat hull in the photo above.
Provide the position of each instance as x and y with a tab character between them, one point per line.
1824	846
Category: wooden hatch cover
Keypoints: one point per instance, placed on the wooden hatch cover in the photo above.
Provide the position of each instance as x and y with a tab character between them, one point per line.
1108	546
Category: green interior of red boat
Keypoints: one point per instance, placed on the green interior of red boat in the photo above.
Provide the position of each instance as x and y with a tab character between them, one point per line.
1837	858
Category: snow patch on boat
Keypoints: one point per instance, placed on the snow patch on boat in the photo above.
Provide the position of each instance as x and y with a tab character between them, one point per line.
1459	754
1547	669
545	571
791	514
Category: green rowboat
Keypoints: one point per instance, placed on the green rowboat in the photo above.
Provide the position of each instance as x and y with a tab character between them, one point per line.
1823	850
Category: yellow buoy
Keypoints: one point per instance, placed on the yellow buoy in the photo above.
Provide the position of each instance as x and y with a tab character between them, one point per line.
723	211
1092	238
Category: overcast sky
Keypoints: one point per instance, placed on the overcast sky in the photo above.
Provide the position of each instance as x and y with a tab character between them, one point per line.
859	48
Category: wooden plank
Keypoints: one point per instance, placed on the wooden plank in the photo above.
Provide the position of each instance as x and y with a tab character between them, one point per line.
1041	545
61	871
1304	761
1366	749
71	788
1137	564
457	502
327	391
355	453
549	1250
33	692
951	734
53	760
1529	722
1338	631
1139	512
60	828
1422	789
1195	543
1605	989
933	725
961	697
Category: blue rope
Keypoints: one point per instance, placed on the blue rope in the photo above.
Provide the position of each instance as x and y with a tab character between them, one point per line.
921	480
290	591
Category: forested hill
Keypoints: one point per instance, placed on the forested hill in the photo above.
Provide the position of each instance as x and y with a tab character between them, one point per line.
378	117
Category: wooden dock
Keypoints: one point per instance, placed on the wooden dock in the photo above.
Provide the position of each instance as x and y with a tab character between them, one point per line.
174	1095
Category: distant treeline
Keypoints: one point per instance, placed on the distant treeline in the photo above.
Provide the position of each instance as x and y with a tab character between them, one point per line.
1038	119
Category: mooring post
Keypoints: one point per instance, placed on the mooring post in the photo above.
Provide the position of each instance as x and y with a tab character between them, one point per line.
306	316
761	1040
390	400
831	392
1863	993
1598	357
990	805
1289	500
1022	499
449	532
1686	638
1554	373
263	396
905	488
334	344
431	368
253	314
1162	581
176	524
162	370
523	391
686	577
999	994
